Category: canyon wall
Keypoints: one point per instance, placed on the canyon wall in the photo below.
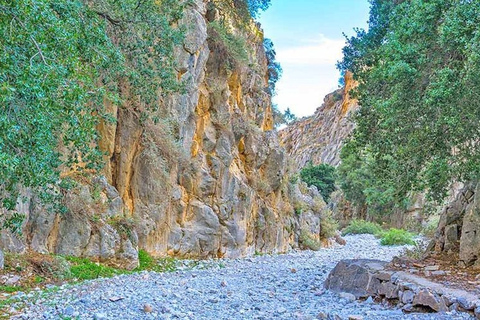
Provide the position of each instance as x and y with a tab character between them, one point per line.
208	179
319	138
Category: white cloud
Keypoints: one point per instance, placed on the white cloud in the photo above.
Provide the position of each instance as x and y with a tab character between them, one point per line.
322	51
309	74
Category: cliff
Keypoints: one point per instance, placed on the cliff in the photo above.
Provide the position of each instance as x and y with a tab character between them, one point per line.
319	138
208	179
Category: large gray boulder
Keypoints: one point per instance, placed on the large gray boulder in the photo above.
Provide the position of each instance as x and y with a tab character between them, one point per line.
359	277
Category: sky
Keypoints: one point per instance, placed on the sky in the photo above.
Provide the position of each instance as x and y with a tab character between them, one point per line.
308	39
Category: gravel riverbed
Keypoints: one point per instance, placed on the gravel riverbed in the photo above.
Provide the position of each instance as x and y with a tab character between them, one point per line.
288	286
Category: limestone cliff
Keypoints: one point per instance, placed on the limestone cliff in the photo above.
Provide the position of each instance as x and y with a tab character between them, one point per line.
319	138
207	180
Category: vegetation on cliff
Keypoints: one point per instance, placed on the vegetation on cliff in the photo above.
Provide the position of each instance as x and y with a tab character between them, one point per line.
60	62
417	128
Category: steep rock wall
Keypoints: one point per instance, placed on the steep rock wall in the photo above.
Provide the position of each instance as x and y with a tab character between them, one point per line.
207	180
319	138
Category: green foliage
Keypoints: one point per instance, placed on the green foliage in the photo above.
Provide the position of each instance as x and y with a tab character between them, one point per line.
255	6
419	91
362	227
240	12
321	176
359	184
280	117
274	68
60	60
431	227
230	46
394	237
308	241
11	289
84	269
147	262
328	225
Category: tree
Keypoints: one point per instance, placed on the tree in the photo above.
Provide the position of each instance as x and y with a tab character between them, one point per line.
274	68
419	91
321	176
59	61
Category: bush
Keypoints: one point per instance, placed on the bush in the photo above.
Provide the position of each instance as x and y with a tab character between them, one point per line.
394	237
321	176
147	262
362	227
84	269
328	225
308	241
431	227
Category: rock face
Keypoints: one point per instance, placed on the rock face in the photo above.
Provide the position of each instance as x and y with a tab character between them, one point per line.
368	278
319	138
459	226
207	181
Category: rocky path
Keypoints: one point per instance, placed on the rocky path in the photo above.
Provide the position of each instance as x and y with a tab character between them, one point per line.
265	287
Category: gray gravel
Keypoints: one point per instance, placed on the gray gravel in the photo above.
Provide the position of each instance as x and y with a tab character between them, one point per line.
286	286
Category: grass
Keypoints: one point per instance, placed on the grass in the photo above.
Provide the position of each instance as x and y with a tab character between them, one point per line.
362	227
84	269
395	237
11	289
147	262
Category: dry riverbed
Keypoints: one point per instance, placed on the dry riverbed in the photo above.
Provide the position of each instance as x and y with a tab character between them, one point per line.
286	286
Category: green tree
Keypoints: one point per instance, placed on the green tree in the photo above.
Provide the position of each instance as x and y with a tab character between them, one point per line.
419	91
59	61
274	68
321	176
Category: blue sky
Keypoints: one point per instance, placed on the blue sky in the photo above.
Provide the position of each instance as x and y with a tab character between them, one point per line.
308	39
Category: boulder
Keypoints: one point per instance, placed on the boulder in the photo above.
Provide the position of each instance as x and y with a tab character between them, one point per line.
356	277
426	298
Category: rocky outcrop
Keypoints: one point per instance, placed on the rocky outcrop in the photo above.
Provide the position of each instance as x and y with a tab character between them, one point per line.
319	138
207	180
459	227
371	279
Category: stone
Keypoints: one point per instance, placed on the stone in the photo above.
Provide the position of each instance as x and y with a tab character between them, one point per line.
408	307
347	296
465	303
407	297
100	316
322	315
355	317
68	311
355	277
2	260
12	280
470	237
476	312
384	275
427	299
432	268
451	237
147	308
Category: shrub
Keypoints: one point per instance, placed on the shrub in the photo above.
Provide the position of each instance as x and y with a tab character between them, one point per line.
396	237
328	225
231	47
308	241
431	227
321	176
147	262
84	269
362	227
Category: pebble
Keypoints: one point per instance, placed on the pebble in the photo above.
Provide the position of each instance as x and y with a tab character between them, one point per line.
147	308
260	287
